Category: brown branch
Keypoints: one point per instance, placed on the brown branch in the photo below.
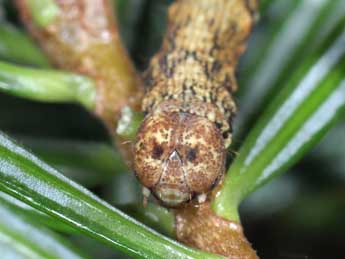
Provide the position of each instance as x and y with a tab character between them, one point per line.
199	227
83	38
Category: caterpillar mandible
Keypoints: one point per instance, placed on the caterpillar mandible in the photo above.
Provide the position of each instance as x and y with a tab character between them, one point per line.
180	150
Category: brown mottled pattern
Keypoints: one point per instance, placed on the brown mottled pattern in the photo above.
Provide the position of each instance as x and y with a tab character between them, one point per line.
159	136
178	153
181	146
202	152
190	83
199	227
198	57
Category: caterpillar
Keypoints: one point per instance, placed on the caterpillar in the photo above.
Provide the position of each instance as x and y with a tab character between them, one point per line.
180	149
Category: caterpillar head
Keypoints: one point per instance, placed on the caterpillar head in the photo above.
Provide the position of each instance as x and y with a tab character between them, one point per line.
178	155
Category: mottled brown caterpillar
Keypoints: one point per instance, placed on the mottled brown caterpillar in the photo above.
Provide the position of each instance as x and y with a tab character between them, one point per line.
180	150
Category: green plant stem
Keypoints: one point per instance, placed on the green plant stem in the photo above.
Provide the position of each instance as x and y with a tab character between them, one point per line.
129	123
296	120
29	179
18	47
35	215
43	11
89	163
47	85
279	58
23	235
152	215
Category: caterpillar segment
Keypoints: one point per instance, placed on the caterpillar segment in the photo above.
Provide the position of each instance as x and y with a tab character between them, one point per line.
180	150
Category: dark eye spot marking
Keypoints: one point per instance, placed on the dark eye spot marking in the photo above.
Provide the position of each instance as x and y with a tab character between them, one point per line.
191	155
157	151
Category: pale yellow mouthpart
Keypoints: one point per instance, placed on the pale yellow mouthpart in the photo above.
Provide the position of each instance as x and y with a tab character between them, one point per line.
171	196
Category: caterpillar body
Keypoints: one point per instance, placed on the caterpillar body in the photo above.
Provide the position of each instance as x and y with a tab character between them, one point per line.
180	150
